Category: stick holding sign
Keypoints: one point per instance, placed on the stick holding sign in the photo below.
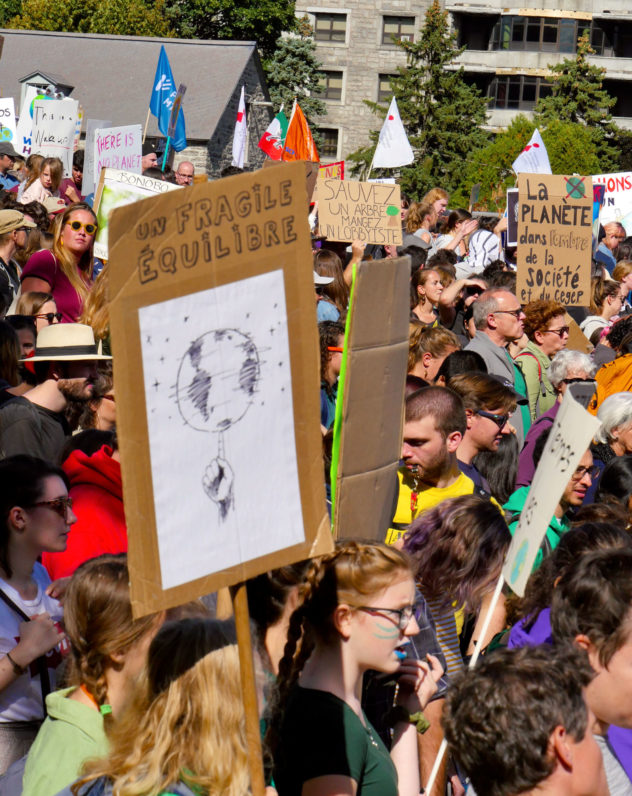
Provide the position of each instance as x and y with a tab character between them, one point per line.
568	440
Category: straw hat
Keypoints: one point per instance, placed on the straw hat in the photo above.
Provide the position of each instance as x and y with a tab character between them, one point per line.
65	342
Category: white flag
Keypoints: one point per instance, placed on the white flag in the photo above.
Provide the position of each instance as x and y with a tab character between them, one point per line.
392	149
239	138
534	159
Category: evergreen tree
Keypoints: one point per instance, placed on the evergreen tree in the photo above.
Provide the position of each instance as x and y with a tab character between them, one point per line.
442	114
577	92
294	72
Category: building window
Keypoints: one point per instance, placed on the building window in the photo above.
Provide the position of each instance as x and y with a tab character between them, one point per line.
330	27
329	146
331	85
535	34
384	90
519	92
402	28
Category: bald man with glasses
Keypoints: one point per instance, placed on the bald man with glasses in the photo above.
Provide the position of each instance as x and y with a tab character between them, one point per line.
185	173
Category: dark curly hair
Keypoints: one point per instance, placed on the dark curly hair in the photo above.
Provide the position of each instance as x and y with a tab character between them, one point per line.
328	334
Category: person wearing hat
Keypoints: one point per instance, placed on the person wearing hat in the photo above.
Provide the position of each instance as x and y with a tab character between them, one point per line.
150	158
14	230
65	368
8	156
325	310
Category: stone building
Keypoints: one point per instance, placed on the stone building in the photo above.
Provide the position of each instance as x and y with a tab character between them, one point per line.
112	78
508	52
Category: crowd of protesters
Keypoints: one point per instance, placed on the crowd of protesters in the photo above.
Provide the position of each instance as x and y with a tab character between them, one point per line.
362	653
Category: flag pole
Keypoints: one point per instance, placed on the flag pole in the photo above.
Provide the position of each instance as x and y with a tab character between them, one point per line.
164	160
146	124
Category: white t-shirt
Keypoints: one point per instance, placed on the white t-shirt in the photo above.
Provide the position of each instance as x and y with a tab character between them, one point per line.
22	699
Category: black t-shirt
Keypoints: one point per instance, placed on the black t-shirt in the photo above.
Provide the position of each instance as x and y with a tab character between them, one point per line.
320	736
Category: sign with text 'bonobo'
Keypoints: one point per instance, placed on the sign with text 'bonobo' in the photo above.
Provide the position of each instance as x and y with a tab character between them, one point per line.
554	238
365	211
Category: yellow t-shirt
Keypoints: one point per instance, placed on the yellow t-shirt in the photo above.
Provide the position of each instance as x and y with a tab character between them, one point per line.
409	508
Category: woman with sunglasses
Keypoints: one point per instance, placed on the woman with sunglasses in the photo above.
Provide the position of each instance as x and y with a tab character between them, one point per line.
547	330
66	270
356	612
35	517
40	306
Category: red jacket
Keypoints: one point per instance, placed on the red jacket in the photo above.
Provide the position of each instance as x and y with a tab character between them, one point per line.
97	494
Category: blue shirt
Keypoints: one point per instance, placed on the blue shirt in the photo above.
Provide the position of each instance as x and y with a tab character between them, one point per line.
8	181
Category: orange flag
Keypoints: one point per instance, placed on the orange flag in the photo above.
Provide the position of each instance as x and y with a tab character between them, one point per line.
299	144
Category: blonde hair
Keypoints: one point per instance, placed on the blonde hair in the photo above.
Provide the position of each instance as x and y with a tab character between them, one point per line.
56	171
186	722
98	621
31	303
34	165
352	573
416	214
96	308
621	270
433	340
80	273
434	194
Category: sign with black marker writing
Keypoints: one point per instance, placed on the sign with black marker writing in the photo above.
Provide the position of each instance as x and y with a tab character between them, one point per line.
555	238
568	440
54	124
365	211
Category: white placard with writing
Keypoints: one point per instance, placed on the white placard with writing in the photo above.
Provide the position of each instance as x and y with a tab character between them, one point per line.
54	123
617	200
569	439
7	122
118	148
92	125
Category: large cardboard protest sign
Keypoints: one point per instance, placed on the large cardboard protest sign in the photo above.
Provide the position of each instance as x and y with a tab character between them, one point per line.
54	124
373	400
118	148
568	440
349	210
216	363
617	201
8	133
119	188
554	238
89	183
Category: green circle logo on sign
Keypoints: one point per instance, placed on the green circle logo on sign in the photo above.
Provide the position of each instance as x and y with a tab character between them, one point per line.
575	187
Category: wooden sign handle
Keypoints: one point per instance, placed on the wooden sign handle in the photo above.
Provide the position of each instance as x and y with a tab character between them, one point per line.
248	688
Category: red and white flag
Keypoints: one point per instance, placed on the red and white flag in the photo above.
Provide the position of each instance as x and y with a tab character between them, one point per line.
534	159
393	148
239	137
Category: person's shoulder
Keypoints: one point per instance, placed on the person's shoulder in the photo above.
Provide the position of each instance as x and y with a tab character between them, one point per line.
43	259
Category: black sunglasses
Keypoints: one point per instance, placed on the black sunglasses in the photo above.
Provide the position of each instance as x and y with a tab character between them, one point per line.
500	420
50	316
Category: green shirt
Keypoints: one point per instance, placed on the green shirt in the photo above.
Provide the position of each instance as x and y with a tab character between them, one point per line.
321	735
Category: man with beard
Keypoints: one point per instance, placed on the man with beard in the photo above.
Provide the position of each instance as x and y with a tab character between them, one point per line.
434	426
65	367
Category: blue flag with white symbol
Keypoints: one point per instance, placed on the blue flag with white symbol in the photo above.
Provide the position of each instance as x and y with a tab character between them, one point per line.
162	97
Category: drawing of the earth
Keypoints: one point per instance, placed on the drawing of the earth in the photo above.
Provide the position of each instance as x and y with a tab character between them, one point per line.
217	379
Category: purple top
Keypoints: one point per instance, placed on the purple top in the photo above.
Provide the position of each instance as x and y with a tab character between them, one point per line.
541	633
43	265
526	467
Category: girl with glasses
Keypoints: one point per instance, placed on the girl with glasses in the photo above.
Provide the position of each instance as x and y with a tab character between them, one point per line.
35	516
40	306
355	614
66	270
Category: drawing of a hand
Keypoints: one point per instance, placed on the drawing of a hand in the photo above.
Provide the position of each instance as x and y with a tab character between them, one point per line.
218	484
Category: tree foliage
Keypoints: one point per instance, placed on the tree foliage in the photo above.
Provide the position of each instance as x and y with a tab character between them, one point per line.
262	21
294	71
442	114
114	17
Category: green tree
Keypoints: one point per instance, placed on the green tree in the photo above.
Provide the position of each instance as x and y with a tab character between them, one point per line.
577	92
8	10
572	148
442	114
294	71
262	21
114	17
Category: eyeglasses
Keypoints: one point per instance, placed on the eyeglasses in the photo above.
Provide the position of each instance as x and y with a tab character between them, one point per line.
59	505
500	420
560	332
24	229
335	348
77	225
110	397
50	317
579	381
185	176
516	313
404	615
580	472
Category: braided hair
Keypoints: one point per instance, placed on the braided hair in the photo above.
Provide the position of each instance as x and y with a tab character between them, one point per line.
99	623
353	571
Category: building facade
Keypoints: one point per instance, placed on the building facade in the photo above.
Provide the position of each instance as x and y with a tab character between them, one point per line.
508	52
